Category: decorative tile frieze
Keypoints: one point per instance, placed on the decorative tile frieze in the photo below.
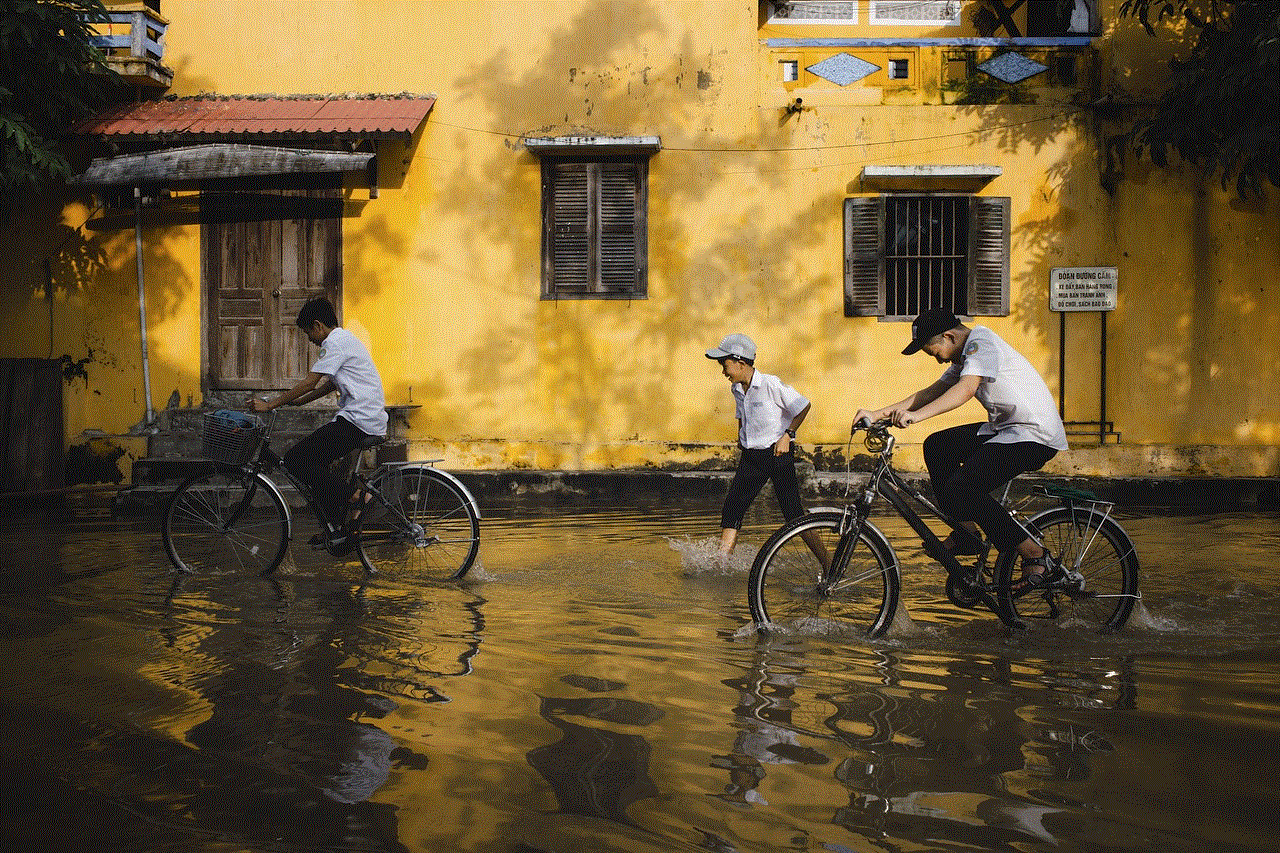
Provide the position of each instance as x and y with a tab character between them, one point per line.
843	69
1012	67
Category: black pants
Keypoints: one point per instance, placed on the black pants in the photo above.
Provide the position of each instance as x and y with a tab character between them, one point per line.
965	468
755	468
310	459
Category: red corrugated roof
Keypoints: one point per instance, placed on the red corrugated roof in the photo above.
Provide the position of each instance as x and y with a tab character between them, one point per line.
233	115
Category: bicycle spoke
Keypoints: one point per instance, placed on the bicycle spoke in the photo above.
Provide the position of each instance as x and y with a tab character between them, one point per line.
430	529
1101	568
220	520
787	585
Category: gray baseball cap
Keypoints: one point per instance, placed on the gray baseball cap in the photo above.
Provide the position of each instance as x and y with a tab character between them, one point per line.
736	345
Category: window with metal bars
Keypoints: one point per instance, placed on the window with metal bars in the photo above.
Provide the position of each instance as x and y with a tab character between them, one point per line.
594	238
907	253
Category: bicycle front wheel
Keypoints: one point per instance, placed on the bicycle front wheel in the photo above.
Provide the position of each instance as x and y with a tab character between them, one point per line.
225	519
792	584
1102	571
421	524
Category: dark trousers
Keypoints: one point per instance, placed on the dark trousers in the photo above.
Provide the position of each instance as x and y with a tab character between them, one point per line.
755	468
310	460
965	468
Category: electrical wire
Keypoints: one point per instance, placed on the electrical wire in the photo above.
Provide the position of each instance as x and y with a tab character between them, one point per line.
777	150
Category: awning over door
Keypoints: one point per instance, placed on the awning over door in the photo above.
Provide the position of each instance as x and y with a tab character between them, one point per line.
197	165
210	142
253	118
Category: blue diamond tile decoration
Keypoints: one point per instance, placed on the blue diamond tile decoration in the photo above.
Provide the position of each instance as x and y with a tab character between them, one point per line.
843	69
1012	67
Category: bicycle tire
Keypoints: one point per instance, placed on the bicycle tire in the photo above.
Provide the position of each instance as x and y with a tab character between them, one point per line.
1093	548
421	524
785	586
225	518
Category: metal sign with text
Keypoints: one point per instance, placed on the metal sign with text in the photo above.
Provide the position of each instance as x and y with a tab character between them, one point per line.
1083	288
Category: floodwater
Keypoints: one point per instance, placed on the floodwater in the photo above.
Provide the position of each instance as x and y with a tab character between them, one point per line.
596	687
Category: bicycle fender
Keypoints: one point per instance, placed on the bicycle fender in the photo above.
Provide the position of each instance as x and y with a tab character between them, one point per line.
461	487
265	482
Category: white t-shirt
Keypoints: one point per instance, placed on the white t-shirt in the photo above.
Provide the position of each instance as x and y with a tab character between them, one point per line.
765	410
1019	405
360	397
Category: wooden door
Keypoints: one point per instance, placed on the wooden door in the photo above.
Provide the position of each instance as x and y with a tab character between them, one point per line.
258	271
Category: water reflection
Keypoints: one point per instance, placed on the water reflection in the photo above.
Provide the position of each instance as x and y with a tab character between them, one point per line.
593	770
926	747
592	690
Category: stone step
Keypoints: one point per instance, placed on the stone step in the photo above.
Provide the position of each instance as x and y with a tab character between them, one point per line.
184	458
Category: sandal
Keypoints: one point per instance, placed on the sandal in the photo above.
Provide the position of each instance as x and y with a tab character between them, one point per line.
1036	573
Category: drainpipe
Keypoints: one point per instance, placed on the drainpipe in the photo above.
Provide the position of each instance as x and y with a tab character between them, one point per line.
142	305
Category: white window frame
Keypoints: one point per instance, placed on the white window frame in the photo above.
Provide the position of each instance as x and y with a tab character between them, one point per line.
873	18
775	18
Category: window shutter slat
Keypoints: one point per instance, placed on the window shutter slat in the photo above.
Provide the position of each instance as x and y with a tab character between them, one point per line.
864	254
989	257
571	227
618	235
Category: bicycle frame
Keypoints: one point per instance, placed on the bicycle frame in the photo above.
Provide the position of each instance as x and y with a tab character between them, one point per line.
886	482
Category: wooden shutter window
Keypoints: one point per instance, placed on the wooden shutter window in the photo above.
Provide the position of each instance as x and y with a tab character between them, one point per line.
988	257
863	257
986	289
619	256
594	229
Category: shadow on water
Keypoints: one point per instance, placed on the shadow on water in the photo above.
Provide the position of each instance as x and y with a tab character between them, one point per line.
596	685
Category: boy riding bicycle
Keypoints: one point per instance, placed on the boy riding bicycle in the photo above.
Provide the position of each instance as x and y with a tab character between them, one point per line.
966	463
344	365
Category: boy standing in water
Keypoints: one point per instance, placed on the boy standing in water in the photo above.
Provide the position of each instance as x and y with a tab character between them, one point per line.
769	412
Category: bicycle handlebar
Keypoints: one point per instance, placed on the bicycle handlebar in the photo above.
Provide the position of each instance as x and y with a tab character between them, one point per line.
878	438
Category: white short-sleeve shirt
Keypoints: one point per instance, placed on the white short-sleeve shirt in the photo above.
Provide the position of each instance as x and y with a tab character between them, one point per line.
360	398
1018	403
765	410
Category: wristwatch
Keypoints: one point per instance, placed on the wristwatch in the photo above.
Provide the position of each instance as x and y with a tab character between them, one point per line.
791	433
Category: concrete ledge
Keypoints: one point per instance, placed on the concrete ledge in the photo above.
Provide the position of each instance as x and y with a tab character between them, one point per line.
639	485
1210	494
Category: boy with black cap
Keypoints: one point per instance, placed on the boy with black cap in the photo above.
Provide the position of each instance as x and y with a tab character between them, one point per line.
1022	432
769	413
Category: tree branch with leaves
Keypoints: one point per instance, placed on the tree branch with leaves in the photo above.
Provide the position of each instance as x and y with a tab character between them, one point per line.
1221	110
51	76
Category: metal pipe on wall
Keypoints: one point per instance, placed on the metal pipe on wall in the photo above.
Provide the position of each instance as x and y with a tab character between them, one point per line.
142	304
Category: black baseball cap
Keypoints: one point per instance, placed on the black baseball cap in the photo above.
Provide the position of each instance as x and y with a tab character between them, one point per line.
928	325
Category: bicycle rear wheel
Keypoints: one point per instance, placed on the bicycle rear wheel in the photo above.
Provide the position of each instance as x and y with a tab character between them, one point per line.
225	519
789	587
1101	565
420	523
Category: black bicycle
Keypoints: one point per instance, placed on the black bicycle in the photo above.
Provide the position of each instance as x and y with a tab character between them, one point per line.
835	564
416	520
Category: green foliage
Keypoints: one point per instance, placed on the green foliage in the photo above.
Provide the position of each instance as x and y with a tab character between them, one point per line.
1222	108
51	76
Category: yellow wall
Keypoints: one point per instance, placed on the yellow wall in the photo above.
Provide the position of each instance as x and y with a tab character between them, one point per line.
441	271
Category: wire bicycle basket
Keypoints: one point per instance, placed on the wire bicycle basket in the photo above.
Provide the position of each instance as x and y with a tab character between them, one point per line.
231	438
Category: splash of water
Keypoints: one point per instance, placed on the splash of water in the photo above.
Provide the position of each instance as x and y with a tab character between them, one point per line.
703	557
478	574
1144	619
